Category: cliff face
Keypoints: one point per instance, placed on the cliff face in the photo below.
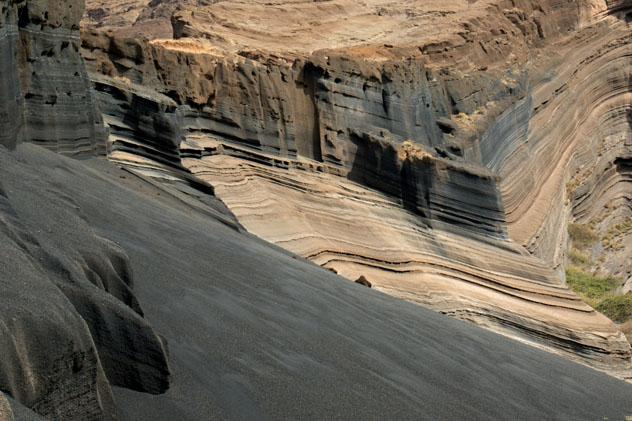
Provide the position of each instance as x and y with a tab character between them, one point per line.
438	150
45	95
70	324
441	151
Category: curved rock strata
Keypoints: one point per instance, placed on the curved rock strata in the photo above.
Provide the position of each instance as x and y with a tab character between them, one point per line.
256	332
440	151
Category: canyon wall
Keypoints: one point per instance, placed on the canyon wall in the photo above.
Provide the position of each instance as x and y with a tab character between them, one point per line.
70	324
440	151
436	149
46	95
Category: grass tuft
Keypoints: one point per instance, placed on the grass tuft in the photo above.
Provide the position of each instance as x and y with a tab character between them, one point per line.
617	308
591	288
577	258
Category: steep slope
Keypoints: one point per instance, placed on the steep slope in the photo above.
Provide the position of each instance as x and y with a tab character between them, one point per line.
70	325
438	148
255	332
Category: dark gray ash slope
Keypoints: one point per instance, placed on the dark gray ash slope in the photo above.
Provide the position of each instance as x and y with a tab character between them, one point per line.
254	332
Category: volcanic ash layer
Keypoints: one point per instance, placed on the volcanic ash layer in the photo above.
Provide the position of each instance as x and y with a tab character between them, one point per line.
249	329
440	149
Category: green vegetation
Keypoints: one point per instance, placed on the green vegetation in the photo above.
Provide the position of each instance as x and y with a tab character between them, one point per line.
599	292
582	235
617	308
592	289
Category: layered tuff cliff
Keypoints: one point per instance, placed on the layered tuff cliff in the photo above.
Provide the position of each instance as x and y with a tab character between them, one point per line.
440	151
382	159
46	96
70	324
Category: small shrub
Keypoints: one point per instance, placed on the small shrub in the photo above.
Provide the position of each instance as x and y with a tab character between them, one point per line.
618	308
582	235
578	258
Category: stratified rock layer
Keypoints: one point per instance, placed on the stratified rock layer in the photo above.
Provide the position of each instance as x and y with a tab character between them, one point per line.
45	94
430	146
70	324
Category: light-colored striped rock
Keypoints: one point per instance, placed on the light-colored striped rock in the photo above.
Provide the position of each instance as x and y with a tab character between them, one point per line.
6	413
440	150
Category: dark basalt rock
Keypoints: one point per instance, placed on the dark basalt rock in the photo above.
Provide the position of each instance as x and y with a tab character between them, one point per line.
70	323
363	281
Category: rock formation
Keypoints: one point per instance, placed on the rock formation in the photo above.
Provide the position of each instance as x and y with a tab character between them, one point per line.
251	330
440	148
402	144
45	91
70	324
6	413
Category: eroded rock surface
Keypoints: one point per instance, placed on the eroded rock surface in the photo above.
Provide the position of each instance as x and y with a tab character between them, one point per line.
70	324
441	148
371	157
45	94
253	331
6	413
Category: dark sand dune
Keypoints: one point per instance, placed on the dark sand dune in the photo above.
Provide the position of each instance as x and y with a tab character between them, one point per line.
255	333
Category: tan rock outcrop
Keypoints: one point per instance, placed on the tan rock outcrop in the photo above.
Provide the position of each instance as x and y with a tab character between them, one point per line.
6	414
